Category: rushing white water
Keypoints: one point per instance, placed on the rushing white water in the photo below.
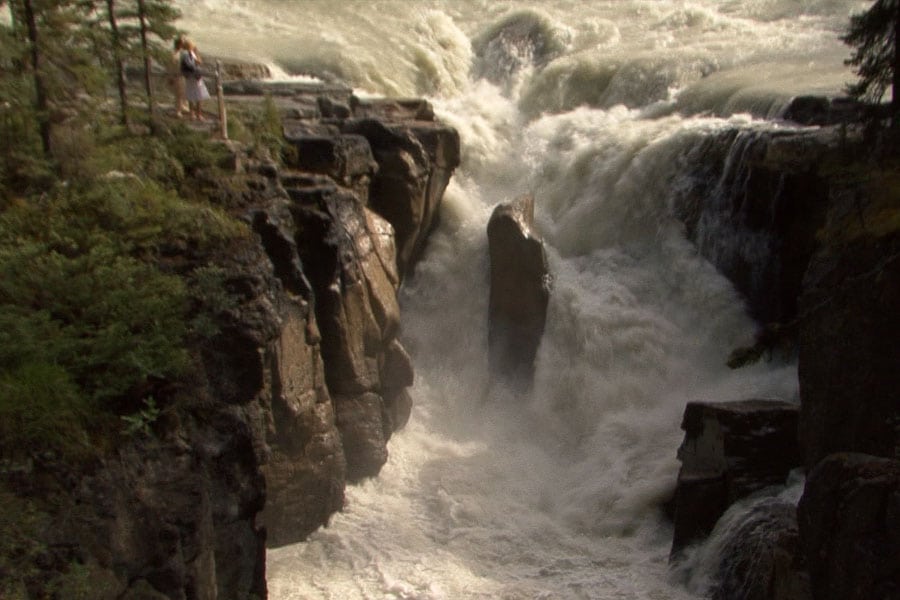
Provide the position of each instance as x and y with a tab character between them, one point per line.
592	107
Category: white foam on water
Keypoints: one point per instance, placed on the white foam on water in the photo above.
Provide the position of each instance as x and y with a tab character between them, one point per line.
557	493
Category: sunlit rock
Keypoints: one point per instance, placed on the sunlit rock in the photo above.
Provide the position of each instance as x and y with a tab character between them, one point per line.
415	161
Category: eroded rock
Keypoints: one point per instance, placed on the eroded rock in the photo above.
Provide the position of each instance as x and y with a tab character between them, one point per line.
520	291
730	450
415	161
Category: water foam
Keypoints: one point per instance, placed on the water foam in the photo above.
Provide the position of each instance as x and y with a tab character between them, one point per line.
556	494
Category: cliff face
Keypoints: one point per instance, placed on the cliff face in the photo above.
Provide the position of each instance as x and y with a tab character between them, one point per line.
806	225
304	383
335	374
807	228
752	202
849	380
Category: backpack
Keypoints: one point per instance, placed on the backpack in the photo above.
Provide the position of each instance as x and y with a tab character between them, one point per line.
188	65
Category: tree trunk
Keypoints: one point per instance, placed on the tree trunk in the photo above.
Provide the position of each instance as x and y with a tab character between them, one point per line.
895	82
117	59
145	48
40	88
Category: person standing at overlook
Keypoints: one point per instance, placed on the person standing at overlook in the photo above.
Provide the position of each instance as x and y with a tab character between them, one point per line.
194	87
176	80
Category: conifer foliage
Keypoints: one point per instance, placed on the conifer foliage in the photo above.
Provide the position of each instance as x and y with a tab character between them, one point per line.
56	56
874	33
47	45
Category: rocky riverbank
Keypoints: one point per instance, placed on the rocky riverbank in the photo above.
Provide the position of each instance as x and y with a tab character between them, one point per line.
806	223
305	381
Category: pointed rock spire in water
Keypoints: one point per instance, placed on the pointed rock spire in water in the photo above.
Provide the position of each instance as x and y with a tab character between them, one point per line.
520	292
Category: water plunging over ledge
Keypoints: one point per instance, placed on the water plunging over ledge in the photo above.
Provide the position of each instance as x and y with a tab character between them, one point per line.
593	108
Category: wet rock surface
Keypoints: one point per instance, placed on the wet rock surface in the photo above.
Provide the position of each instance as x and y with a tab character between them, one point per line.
730	450
519	293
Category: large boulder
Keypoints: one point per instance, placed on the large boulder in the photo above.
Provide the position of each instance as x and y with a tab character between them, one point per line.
520	291
730	450
849	519
758	552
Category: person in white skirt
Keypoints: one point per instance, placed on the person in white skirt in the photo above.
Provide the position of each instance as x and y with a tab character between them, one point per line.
194	88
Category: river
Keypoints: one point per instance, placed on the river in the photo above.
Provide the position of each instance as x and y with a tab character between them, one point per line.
593	108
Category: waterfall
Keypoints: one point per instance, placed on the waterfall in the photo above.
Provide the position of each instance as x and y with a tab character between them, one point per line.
603	111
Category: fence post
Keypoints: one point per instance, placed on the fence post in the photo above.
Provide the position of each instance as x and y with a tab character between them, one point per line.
220	95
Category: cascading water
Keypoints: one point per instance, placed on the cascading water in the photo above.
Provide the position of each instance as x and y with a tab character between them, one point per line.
594	107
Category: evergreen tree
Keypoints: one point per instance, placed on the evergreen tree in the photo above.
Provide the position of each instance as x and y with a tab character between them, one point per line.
875	34
52	43
118	51
146	27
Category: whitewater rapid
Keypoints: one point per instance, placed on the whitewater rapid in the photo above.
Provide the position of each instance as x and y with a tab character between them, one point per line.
557	494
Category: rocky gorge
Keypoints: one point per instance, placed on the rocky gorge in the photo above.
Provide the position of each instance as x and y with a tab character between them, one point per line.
308	379
805	224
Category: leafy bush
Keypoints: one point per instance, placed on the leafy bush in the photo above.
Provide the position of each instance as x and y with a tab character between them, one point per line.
41	408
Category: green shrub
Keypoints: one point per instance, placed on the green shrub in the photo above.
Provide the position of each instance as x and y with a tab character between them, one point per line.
194	150
105	278
129	214
86	315
145	157
42	409
109	320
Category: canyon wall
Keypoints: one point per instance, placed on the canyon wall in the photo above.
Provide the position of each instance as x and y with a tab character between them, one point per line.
806	224
306	379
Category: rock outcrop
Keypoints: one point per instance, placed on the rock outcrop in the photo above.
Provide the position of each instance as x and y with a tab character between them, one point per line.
364	186
520	292
815	218
752	202
730	450
390	152
305	380
849	519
